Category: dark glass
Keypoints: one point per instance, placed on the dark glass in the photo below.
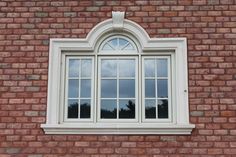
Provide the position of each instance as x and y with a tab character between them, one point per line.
73	88
162	108
108	109
73	108
150	88
108	88
126	109
162	68
85	108
127	88
150	108
162	88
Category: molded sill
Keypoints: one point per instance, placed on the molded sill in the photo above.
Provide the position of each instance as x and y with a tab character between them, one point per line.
105	128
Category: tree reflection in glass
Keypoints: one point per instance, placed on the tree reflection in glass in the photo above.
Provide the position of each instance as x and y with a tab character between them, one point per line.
126	109
162	108
85	108
73	108
108	109
150	108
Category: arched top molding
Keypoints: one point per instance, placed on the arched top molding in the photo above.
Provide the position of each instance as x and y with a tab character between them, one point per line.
118	25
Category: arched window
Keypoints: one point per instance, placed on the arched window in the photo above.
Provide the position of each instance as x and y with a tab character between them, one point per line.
118	81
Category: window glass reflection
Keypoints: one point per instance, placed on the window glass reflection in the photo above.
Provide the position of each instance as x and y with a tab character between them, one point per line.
85	108
150	88
73	108
127	68
126	109
109	68
162	88
162	108
127	88
122	43
108	88
74	67
150	108
85	88
86	67
162	68
108	109
149	66
73	88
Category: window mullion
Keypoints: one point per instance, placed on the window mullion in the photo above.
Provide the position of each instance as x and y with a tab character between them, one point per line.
117	88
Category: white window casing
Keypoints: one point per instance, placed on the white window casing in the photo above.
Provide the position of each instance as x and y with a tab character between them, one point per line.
174	49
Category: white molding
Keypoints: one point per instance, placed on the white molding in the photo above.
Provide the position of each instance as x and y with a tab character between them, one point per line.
104	128
146	45
118	19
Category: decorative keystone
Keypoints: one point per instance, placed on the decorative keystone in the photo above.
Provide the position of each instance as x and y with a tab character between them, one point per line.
118	19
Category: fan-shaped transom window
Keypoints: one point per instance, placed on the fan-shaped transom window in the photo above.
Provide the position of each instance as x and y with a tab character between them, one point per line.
118	44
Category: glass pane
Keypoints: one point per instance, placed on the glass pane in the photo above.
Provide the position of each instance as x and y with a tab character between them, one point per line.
108	109
74	67
86	67
162	108
127	68
73	108
114	43
73	88
122	43
108	89
150	108
107	47
150	88
149	66
162	88
162	68
128	47
127	109
85	88
109	68
85	106
127	88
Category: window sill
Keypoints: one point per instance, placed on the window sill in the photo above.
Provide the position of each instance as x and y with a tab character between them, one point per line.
118	128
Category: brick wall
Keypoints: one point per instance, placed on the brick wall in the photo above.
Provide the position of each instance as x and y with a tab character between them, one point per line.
25	29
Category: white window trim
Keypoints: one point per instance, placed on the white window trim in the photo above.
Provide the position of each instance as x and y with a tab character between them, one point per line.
181	124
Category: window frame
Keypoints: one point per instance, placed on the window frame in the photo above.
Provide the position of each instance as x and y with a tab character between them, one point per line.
176	47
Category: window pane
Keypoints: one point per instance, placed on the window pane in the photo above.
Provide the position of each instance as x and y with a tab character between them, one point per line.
127	68
150	88
122	43
74	67
108	109
73	108
162	88
85	88
73	88
108	89
162	68
126	109
150	108
126	88
114	43
149	66
128	47
86	67
85	106
107	47
109	68
162	108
